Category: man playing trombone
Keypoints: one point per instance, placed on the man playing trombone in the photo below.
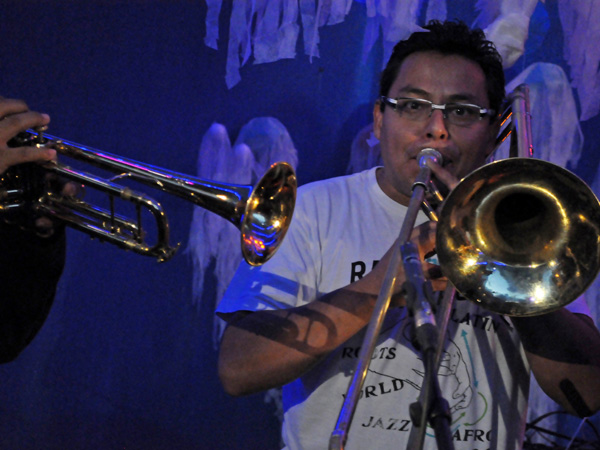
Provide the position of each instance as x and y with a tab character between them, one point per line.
298	321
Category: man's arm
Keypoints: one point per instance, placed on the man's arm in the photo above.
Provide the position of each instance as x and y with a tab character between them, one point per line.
563	349
31	267
265	349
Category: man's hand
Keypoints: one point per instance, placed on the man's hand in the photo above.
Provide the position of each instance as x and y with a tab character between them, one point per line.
442	175
16	117
46	226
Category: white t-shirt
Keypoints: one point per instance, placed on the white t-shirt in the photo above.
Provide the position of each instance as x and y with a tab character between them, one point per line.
340	228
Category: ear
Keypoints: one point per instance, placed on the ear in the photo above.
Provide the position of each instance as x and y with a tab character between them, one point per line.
377	119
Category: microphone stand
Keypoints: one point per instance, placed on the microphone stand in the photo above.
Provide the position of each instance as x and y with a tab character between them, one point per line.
417	305
432	406
438	410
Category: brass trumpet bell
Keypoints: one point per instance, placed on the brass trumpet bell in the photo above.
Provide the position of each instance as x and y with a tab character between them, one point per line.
267	214
520	237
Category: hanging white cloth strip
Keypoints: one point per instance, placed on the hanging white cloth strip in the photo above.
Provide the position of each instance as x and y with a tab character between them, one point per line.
506	24
269	30
275	40
212	23
395	20
557	135
580	21
239	46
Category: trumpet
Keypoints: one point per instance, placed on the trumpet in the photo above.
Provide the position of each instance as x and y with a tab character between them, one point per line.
262	213
518	236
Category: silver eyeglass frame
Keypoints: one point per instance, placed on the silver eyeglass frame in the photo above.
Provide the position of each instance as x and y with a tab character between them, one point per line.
393	102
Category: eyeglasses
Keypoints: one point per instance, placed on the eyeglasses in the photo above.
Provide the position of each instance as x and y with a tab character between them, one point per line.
418	110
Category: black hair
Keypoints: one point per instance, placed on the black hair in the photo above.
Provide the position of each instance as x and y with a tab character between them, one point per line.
450	38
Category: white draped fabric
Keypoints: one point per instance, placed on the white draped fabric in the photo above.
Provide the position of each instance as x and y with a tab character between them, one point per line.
268	30
260	143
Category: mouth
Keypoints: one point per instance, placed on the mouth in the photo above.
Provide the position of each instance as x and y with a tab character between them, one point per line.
447	161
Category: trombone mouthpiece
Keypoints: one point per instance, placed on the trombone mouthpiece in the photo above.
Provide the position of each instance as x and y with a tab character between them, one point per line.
431	154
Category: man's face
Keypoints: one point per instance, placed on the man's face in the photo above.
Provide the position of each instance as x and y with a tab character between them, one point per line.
440	79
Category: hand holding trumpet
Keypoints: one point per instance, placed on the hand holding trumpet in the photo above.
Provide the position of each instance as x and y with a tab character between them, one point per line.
16	117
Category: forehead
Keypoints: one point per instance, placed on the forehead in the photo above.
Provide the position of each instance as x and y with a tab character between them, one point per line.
441	78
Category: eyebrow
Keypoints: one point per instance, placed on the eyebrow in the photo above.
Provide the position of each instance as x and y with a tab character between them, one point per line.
458	97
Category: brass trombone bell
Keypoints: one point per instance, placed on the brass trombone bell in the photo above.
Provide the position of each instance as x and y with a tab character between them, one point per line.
520	237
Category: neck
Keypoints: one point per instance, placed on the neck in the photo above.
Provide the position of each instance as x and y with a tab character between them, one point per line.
389	190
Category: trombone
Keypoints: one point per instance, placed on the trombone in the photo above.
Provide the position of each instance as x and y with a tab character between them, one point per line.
518	236
262	214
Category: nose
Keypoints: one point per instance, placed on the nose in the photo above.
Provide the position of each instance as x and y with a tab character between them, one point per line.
436	126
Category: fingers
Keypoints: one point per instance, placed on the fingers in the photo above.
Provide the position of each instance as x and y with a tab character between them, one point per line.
61	185
71	189
424	237
433	273
8	107
16	117
13	156
443	175
44	226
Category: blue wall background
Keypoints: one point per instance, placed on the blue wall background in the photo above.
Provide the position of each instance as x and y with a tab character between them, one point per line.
126	359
